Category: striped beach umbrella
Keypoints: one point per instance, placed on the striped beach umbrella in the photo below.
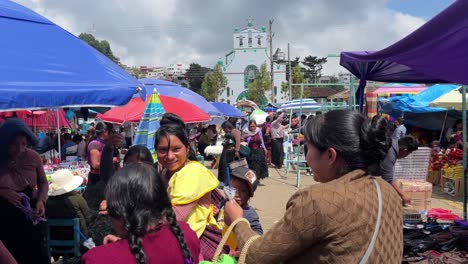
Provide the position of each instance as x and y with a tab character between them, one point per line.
149	123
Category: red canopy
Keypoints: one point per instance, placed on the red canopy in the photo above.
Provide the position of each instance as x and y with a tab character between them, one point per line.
133	111
40	119
45	119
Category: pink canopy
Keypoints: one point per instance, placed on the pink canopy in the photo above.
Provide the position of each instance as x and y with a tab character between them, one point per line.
45	119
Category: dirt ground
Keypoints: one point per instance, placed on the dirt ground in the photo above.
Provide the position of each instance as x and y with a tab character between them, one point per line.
272	195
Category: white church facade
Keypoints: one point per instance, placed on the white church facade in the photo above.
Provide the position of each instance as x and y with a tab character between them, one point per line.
242	64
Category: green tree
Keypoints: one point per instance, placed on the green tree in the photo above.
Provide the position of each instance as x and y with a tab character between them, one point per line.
313	67
195	75
338	88
102	46
297	76
294	63
214	83
260	85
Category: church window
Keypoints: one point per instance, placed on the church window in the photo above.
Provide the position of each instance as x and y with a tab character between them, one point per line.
259	40
250	73
228	101
250	39
241	41
228	91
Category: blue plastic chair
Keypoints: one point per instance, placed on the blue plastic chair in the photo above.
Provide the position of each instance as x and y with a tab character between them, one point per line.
201	159
81	189
295	157
71	247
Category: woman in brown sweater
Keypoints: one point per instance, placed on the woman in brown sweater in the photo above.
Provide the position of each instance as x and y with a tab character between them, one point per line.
351	217
22	178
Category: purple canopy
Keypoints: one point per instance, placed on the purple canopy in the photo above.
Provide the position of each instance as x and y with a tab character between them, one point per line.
437	52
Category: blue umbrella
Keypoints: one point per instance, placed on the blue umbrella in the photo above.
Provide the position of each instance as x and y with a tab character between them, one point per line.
44	66
174	90
228	110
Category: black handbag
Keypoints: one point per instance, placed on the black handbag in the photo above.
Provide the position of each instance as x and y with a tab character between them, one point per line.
245	151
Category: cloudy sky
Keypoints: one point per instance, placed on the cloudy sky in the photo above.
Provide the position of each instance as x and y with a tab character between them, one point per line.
161	32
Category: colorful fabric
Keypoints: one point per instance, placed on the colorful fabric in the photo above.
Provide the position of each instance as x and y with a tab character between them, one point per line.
189	185
25	207
149	123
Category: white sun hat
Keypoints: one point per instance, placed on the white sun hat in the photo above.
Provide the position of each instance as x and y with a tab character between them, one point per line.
63	181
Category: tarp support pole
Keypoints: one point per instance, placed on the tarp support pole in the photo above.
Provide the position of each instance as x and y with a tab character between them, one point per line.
58	134
298	179
465	194
443	127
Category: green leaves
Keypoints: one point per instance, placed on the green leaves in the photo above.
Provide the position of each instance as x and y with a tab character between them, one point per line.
214	83
102	46
261	84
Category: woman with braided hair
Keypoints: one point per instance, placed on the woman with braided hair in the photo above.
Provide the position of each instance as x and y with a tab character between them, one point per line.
142	215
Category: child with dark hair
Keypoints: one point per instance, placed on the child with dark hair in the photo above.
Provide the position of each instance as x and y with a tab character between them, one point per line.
142	215
243	180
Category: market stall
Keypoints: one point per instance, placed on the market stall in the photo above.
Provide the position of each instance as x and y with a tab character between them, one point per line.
434	53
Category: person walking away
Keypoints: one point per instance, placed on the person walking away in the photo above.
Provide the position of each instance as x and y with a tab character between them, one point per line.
277	137
231	147
257	161
266	130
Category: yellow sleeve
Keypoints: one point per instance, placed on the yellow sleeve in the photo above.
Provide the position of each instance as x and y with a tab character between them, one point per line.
191	183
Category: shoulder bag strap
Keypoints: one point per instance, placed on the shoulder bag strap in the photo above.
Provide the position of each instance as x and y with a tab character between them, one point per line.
225	238
368	252
245	249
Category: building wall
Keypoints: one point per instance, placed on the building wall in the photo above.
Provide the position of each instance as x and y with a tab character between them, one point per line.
235	73
244	56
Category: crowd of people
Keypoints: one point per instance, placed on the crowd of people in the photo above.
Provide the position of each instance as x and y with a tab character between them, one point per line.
171	210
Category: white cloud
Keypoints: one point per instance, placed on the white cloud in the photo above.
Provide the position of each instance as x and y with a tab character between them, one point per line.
161	32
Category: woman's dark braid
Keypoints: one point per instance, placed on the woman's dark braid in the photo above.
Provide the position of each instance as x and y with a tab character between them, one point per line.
136	247
177	231
135	238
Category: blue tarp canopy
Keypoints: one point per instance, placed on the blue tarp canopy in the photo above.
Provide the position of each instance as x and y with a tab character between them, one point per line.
416	110
400	105
44	66
174	90
228	110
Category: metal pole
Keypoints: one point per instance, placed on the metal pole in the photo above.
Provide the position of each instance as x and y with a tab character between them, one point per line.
289	67
270	33
58	135
298	179
465	194
443	127
352	93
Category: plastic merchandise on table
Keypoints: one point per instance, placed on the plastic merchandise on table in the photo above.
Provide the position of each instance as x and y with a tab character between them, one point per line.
443	215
